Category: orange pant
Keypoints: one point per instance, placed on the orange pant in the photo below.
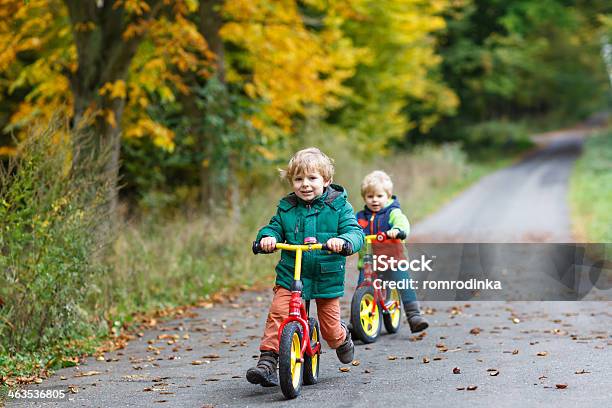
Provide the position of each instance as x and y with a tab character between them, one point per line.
328	312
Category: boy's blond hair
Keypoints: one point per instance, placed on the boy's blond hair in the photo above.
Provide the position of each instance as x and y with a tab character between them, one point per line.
309	160
375	180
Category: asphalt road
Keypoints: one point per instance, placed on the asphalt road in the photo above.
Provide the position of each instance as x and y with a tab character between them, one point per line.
526	202
515	353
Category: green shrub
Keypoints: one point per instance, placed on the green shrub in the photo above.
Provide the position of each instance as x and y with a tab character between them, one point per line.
591	190
496	135
53	200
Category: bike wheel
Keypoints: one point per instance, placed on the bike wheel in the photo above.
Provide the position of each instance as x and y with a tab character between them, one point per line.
366	324
290	361
311	363
393	318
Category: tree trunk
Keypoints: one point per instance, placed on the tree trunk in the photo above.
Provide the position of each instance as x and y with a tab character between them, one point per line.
210	24
104	56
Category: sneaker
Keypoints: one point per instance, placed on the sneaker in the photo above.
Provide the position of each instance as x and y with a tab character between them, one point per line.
416	320
346	350
265	371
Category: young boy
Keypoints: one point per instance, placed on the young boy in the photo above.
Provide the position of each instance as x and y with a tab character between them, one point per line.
382	213
316	208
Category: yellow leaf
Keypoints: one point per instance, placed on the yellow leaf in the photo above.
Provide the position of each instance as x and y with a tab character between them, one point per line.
109	115
114	90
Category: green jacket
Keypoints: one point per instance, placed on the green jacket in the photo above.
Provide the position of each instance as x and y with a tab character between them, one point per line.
327	216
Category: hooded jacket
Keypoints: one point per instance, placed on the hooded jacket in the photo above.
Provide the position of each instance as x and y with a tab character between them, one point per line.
327	216
389	217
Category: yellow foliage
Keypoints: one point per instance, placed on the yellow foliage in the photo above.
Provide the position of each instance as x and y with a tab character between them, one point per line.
114	90
172	49
292	67
161	135
7	151
136	7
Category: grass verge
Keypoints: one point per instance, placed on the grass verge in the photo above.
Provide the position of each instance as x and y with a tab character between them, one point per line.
591	190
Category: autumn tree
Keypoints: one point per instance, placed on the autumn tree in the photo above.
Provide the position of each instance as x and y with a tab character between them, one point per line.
100	61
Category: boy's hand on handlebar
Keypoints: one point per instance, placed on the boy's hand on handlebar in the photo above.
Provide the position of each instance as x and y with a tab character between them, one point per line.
393	233
268	244
335	244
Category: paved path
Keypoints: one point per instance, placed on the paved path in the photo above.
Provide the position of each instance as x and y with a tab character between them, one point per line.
526	202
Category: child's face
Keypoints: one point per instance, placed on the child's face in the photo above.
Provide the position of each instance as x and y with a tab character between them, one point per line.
376	199
309	185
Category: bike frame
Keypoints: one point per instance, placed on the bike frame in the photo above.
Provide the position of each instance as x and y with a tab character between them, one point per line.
370	275
297	309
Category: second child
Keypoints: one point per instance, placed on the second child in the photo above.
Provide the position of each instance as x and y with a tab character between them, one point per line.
382	213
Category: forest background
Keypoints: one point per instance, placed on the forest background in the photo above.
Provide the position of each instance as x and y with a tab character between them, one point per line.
140	140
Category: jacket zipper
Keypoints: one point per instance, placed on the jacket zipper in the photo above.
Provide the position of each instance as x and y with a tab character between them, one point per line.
372	223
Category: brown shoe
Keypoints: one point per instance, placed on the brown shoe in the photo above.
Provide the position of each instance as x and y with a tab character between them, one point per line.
416	320
265	371
346	351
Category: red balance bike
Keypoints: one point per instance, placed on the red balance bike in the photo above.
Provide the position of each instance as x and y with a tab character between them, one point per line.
299	345
370	305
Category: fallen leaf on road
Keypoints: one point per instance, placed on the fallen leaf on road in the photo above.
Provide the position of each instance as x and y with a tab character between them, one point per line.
391	358
561	386
147	389
345	369
73	389
216	356
460	388
494	373
475	330
88	373
515	352
542	353
456	370
196	362
168	337
100	358
367	371
471	387
582	372
355	363
425	360
542	377
516	320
